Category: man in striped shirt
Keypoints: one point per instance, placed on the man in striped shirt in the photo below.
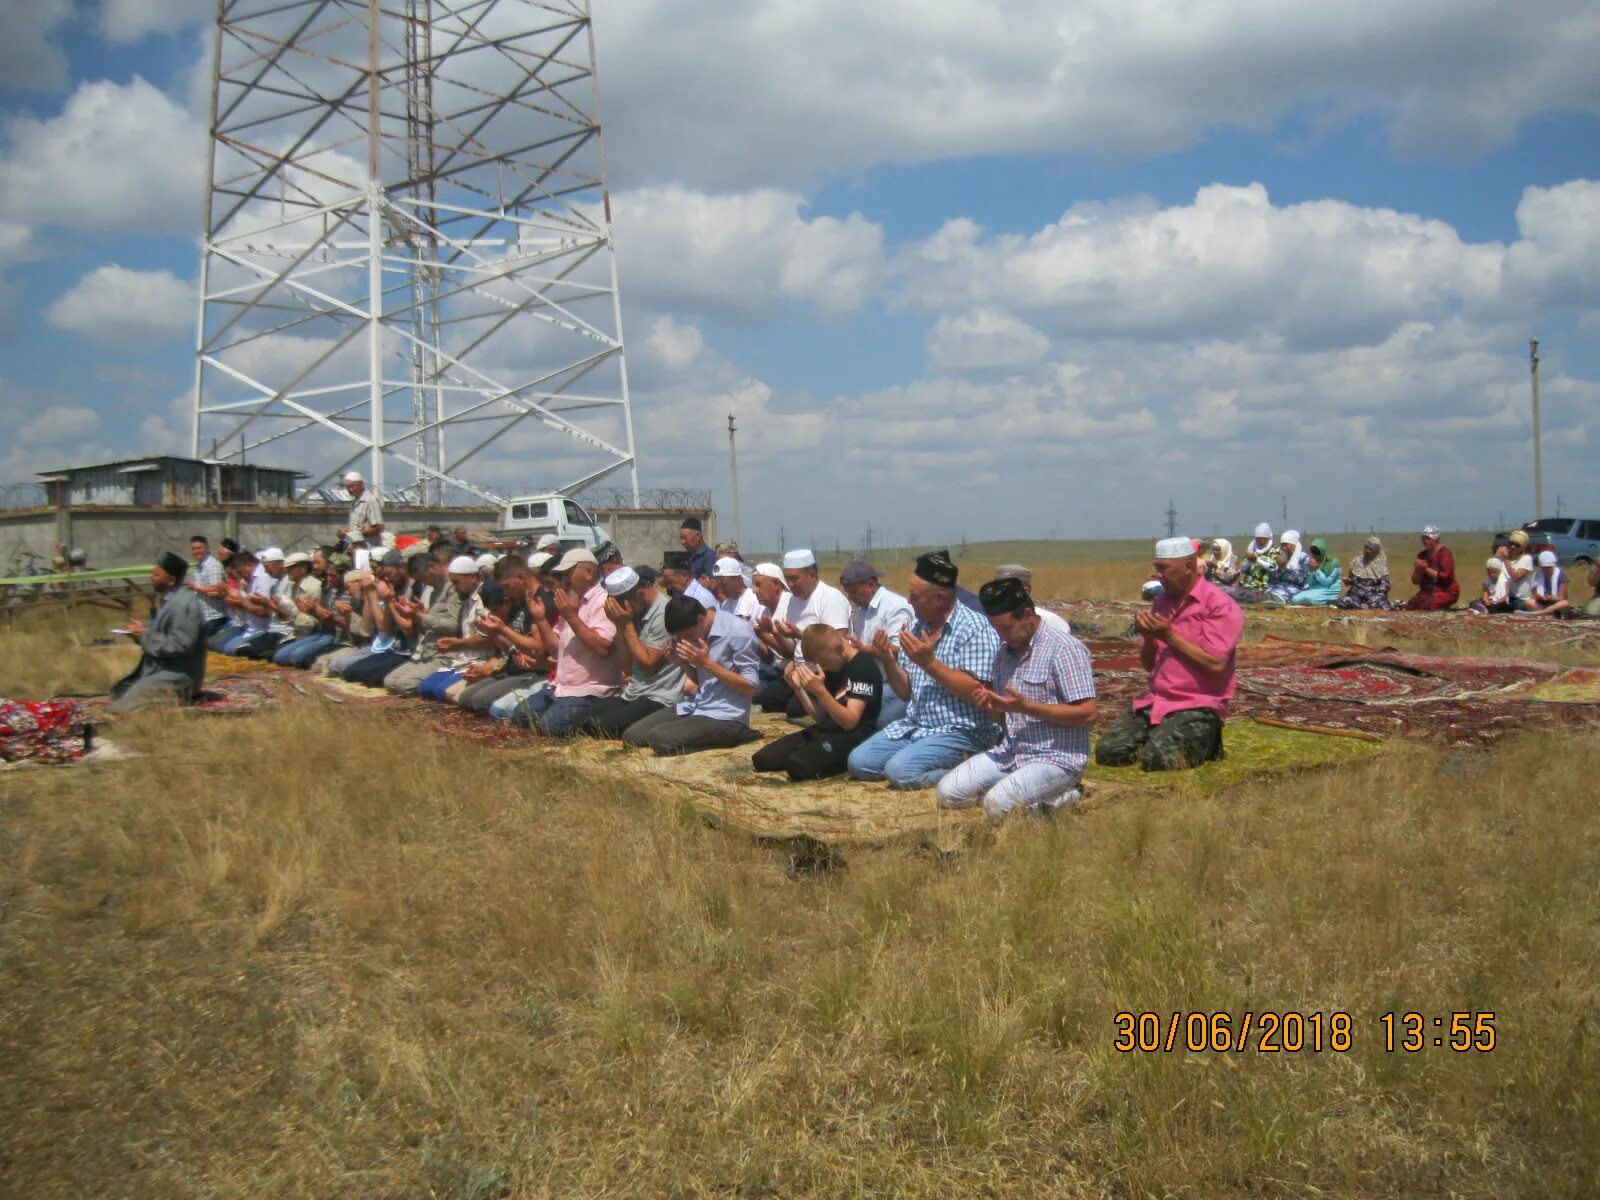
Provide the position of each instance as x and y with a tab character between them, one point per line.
1044	691
942	663
207	579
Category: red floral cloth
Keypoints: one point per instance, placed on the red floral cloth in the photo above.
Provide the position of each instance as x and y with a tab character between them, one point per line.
43	730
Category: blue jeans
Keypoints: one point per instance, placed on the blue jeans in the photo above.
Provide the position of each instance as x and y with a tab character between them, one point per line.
531	700
913	763
232	643
435	685
302	650
565	712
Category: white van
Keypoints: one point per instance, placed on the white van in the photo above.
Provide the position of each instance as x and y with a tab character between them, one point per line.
531	517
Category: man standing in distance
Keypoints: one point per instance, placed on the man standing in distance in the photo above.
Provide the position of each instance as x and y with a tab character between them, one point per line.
691	535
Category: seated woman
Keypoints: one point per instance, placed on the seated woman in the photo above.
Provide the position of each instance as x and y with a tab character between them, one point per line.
1322	577
1494	596
1291	576
1368	579
1221	566
1549	588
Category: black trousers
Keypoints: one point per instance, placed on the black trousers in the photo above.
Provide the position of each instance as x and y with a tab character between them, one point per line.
371	669
811	753
611	716
774	696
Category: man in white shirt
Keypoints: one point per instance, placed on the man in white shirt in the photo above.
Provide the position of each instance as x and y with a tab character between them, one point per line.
1019	572
875	608
810	601
733	596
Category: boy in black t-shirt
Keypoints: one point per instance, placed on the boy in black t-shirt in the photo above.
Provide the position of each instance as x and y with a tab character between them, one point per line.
843	699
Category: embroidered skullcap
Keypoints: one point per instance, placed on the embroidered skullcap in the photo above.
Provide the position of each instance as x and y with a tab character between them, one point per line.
1547	558
675	560
936	567
692	523
799	560
1430	531
621	581
1002	596
1175	547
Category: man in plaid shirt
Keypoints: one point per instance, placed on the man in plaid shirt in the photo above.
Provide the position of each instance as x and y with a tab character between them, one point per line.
207	579
943	662
1044	690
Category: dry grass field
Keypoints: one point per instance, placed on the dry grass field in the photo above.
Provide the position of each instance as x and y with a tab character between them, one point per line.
316	953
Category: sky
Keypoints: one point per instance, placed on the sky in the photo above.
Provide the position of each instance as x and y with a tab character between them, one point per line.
962	270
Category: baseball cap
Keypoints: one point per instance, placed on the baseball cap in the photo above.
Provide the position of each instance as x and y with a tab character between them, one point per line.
392	558
858	571
1014	571
771	570
297	559
727	568
270	554
573	557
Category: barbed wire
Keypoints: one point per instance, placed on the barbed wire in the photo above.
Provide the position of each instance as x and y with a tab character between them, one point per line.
23	495
669	498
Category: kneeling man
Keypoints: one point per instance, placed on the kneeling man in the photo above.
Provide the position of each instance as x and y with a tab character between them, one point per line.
1188	644
172	665
943	661
717	652
1044	692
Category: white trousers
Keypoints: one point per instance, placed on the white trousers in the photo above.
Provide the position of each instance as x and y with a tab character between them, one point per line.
980	779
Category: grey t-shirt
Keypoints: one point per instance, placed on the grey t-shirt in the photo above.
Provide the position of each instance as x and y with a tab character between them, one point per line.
665	685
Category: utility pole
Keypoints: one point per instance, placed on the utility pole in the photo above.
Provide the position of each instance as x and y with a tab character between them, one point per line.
1172	519
1286	510
1538	450
783	541
733	471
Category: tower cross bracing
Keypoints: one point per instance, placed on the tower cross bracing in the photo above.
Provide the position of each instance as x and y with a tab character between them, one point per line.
408	265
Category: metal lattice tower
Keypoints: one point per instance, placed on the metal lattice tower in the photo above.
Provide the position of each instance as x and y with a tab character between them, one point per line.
408	264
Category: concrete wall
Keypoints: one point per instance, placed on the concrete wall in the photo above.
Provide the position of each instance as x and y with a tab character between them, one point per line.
117	537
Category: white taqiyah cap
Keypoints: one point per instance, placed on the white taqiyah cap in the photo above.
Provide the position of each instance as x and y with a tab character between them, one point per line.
575	556
487	560
270	554
621	581
798	560
298	559
770	570
1547	558
548	542
1175	547
353	477
1264	530
537	561
463	564
728	568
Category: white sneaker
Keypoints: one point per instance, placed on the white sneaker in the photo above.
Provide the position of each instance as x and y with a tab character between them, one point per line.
1065	800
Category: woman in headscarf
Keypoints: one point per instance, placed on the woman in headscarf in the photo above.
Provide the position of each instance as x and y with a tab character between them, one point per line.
1259	545
1221	566
1549	588
1368	578
1494	596
1291	574
1322	576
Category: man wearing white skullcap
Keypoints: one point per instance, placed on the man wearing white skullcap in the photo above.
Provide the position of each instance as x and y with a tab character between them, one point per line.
1434	573
638	609
448	637
365	511
1189	637
810	601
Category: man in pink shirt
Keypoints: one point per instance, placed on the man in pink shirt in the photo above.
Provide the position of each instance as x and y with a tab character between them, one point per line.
587	668
1188	642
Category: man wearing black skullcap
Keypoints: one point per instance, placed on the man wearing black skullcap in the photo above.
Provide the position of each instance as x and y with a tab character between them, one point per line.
173	663
1043	690
701	560
942	663
679	578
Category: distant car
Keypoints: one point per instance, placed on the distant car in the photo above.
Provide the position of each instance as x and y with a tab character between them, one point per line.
1576	540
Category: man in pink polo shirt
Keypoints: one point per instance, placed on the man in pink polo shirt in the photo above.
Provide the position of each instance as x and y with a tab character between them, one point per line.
587	667
1188	642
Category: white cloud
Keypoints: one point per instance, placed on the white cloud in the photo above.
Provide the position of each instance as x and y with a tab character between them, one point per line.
116	306
58	424
780	93
985	339
118	158
127	21
673	344
29	60
739	253
1232	265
